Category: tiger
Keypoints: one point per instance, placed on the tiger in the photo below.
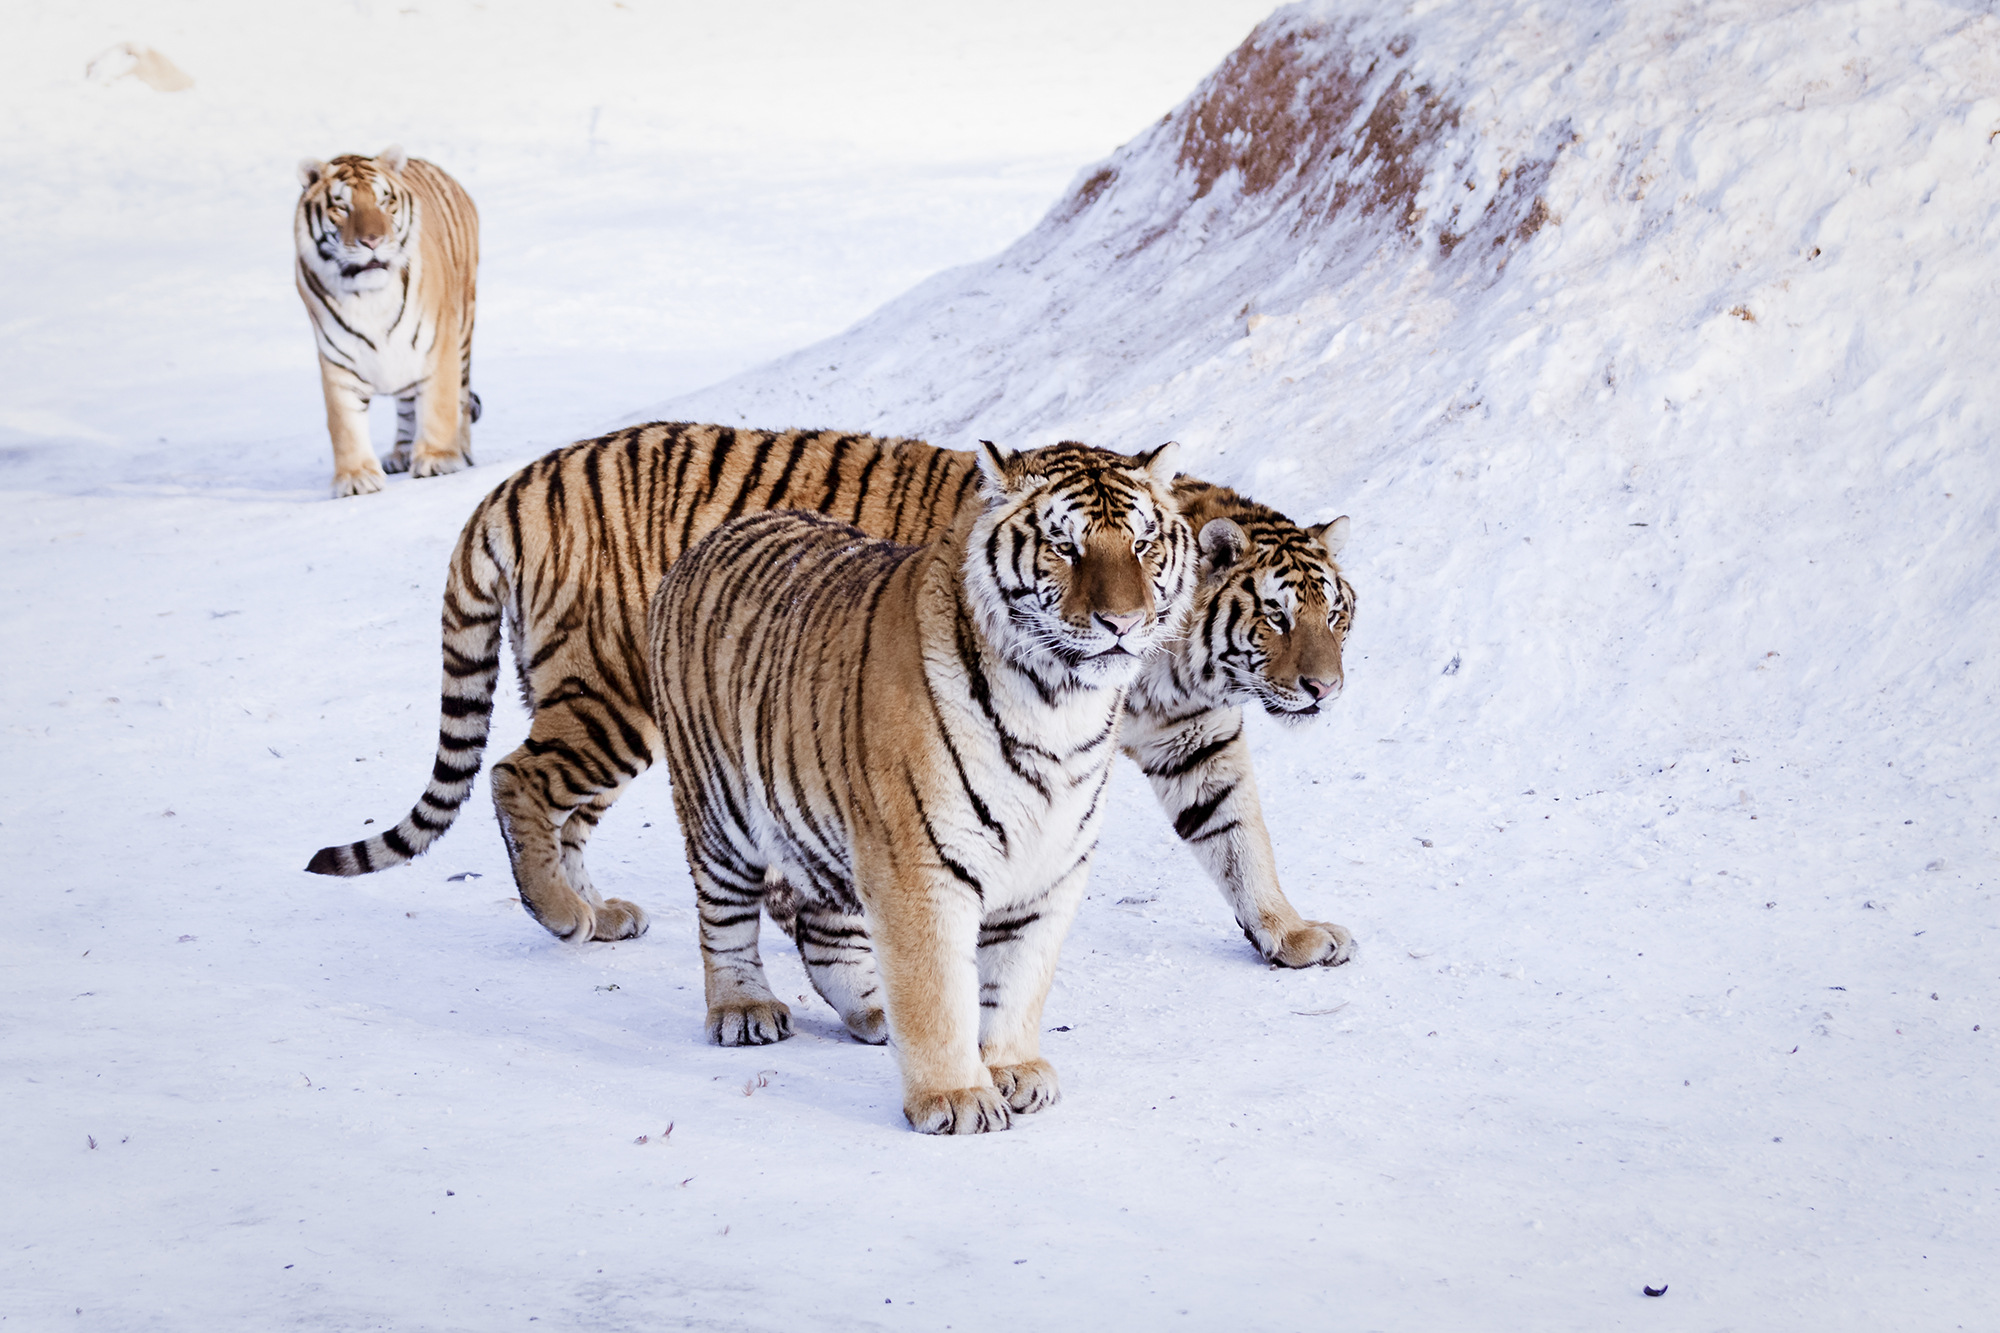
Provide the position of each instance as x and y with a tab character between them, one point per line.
1272	613
915	741
388	259
565	554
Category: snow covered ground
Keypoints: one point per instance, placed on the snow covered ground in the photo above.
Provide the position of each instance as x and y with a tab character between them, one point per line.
1650	350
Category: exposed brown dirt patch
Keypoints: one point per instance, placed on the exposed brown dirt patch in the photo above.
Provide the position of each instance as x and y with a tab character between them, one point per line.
1302	119
1303	112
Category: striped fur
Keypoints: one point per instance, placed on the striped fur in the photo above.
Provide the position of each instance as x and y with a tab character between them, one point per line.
914	742
568	551
388	257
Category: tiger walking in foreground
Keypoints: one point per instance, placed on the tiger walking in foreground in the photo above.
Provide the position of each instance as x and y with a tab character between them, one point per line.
388	257
915	742
567	552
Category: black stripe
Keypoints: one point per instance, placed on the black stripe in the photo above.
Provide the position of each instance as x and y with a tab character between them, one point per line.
958	871
1195	759
1190	820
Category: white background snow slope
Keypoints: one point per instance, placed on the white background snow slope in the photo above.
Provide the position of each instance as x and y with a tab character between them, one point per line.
1661	799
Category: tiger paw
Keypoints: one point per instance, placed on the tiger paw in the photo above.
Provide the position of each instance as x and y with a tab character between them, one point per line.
869	1025
438	465
749	1023
398	459
1027	1087
960	1111
617	919
362	481
1313	944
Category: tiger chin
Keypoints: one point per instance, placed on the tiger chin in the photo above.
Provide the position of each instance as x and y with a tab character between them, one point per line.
387	265
914	742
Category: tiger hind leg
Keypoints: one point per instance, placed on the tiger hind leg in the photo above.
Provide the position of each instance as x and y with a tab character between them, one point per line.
576	831
742	1009
835	948
406	435
536	797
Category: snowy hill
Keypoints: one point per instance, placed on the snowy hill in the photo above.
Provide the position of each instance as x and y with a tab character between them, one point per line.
1649	348
1650	353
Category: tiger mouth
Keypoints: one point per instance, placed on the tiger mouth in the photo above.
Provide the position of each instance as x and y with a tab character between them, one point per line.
1279	710
351	270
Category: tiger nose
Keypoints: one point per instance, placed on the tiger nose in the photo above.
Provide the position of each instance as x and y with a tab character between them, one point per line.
1319	689
1122	625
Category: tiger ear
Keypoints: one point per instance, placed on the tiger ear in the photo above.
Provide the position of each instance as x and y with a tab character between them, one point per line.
1332	535
1222	545
1160	462
394	158
1002	474
992	469
310	170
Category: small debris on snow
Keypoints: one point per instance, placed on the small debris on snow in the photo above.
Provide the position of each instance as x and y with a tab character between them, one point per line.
462	875
185	939
1317	1013
1660	1290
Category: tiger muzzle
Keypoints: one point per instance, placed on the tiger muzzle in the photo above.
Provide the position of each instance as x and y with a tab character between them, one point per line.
1109	591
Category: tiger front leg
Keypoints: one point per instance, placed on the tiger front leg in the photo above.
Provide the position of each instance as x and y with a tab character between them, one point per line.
355	468
406	436
443	412
1200	770
925	926
840	959
1018	948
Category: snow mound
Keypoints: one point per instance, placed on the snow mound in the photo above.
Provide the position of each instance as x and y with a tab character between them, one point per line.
1650	355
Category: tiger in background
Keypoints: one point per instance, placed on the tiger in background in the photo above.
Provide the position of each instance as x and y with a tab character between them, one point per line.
567	551
915	742
388	258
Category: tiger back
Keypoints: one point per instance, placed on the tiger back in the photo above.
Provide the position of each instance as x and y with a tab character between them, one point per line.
914	743
387	265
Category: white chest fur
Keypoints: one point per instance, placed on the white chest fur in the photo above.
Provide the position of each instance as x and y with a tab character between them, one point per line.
1038	772
381	335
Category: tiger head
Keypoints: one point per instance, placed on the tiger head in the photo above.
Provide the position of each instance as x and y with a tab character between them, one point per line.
1081	563
355	220
1271	608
